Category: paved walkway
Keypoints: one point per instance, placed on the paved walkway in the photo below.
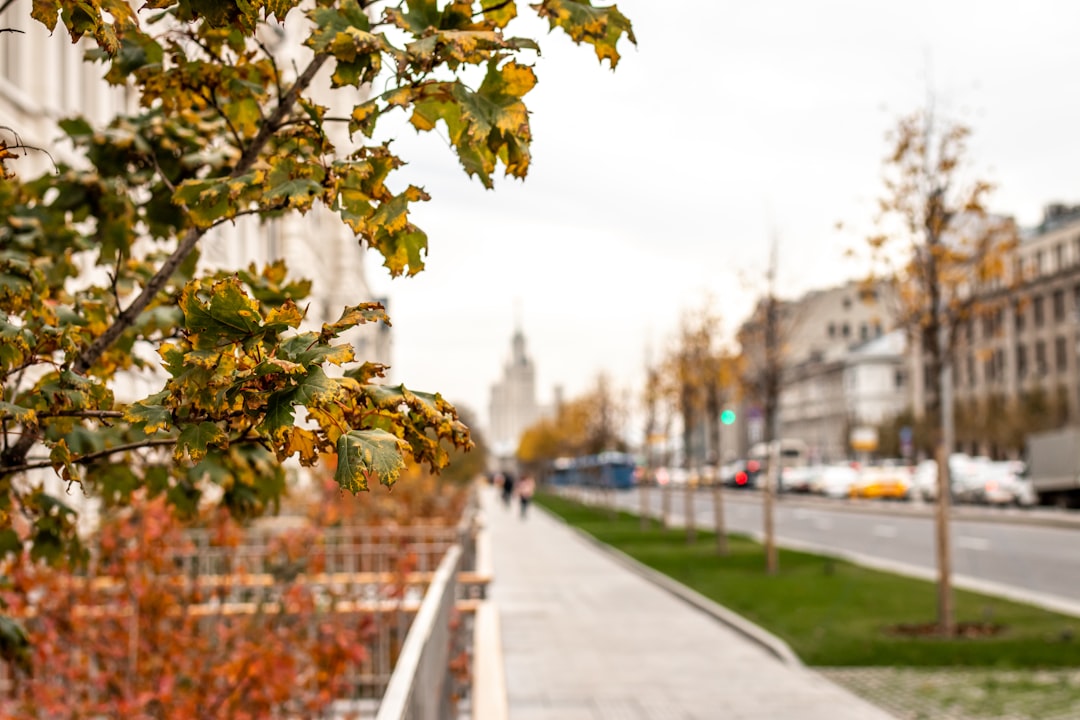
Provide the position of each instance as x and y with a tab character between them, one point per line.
584	638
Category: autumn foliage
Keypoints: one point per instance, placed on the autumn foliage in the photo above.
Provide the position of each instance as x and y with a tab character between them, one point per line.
143	634
240	111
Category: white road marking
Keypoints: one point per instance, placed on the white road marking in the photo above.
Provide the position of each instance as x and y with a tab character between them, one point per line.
885	531
972	543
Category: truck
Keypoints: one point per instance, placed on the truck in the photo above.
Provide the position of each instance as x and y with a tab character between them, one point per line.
1054	466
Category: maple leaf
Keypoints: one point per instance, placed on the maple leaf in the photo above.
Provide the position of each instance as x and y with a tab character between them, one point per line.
195	439
151	413
601	27
363	454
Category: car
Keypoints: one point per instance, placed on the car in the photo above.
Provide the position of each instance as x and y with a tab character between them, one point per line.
834	481
963	472
1000	483
797	479
744	474
876	481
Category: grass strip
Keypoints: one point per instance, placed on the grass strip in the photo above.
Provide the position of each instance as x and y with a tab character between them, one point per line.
830	611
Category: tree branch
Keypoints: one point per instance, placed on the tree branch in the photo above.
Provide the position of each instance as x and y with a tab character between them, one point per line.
12	460
82	414
90	457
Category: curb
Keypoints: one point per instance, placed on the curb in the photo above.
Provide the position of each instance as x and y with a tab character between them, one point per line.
1052	603
759	635
963	513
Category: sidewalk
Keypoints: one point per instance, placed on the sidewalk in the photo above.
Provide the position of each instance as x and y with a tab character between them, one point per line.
586	639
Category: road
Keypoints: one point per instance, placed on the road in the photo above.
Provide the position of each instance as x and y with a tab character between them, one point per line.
1031	560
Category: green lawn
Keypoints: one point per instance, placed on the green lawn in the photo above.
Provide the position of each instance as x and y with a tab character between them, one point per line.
831	612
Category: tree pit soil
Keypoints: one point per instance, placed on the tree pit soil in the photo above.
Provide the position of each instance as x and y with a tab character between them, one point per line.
962	631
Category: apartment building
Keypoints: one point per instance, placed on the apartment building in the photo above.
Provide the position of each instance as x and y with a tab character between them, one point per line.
1018	365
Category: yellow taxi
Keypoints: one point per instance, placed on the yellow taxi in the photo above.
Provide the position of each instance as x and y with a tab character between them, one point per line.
893	483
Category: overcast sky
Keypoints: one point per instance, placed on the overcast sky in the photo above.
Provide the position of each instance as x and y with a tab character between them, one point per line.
658	185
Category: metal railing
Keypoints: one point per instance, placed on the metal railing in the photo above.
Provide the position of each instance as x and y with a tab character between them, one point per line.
414	588
420	687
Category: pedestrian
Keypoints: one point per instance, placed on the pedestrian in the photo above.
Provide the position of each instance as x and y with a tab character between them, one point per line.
507	489
526	488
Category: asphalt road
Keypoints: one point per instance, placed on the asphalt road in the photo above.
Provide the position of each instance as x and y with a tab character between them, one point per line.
1029	559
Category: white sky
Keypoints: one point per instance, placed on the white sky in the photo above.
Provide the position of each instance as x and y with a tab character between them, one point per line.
658	185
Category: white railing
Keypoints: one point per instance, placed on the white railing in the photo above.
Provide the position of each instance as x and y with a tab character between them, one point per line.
420	687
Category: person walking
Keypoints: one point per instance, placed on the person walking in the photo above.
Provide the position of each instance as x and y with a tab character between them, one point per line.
507	489
526	488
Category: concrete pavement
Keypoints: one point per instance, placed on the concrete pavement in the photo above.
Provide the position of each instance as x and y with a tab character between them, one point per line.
586	638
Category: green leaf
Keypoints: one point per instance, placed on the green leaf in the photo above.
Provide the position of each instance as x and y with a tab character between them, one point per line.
316	389
15	644
297	193
194	440
207	201
16	412
230	315
363	454
151	412
279	413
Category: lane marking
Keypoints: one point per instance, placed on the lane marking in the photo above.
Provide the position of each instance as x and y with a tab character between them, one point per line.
885	531
972	543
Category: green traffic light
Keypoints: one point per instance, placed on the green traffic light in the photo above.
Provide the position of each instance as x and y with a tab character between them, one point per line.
727	417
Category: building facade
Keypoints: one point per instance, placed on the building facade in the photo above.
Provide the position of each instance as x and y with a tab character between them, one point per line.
1016	367
513	407
841	369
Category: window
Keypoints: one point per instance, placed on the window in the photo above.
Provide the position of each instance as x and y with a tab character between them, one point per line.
900	379
999	364
1061	354
1040	358
877	329
847	303
988	326
1059	305
845	330
1020	312
971	370
832	330
1037	307
1038	263
988	369
864	331
1021	362
1059	256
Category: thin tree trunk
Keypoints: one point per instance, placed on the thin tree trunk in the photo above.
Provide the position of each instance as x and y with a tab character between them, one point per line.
688	511
718	514
772	562
665	505
946	620
643	495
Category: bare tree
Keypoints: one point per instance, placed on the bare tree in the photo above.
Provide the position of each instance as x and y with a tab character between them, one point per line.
944	255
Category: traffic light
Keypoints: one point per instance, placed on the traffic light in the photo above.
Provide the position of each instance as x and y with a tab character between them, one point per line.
727	417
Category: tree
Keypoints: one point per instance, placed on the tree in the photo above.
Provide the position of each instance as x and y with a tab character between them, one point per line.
945	256
585	425
230	124
720	371
762	340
